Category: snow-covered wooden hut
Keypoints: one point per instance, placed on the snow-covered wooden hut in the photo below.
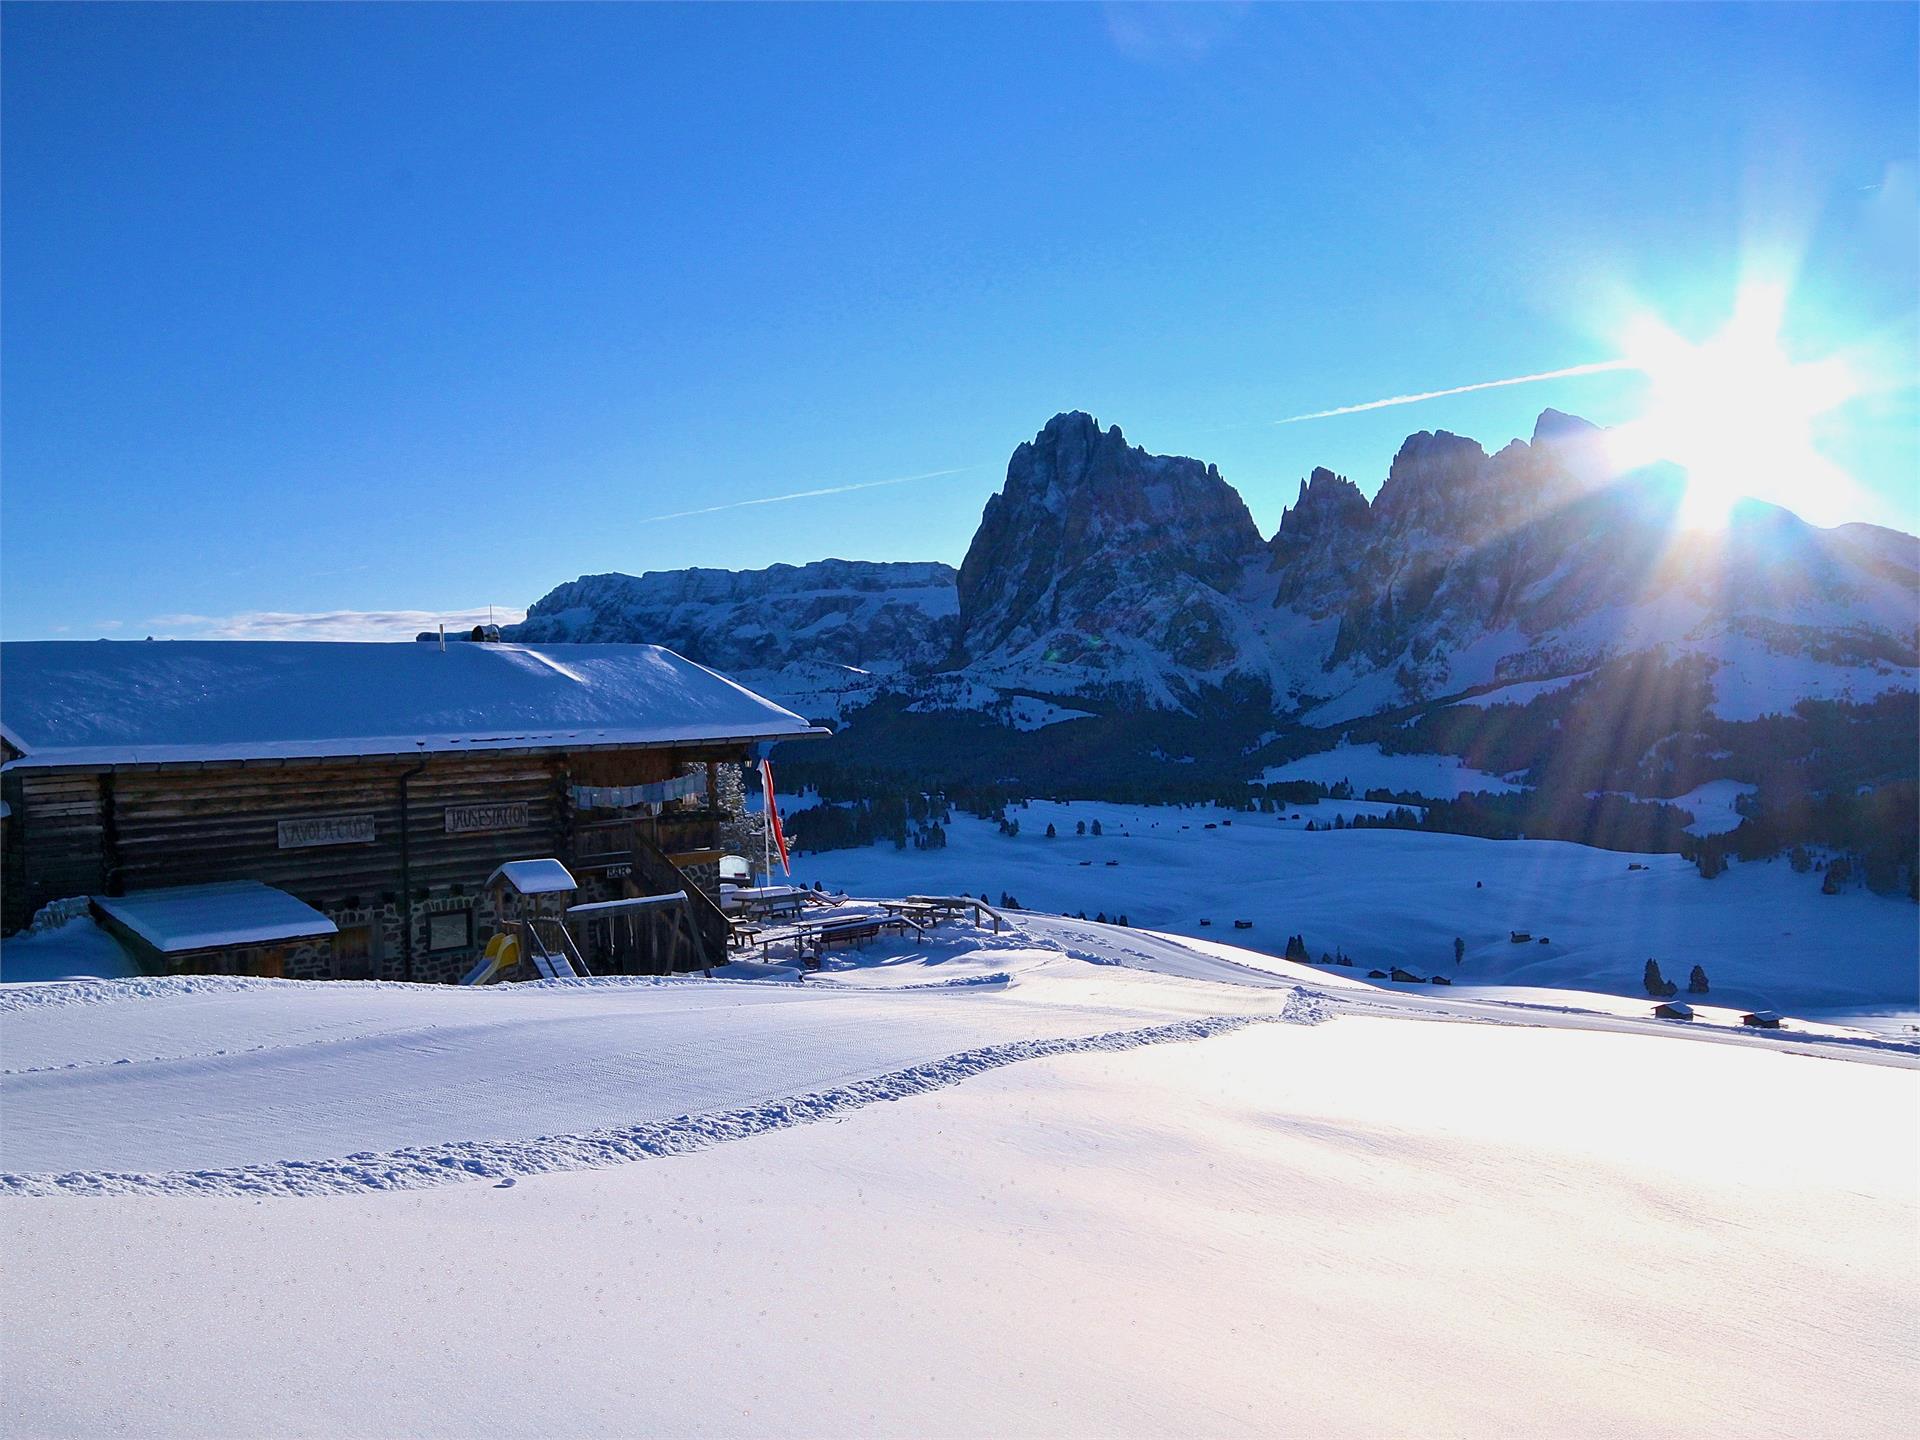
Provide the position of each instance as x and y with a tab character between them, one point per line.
376	785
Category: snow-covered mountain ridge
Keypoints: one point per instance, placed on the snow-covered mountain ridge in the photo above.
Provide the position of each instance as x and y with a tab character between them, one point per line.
806	633
1106	572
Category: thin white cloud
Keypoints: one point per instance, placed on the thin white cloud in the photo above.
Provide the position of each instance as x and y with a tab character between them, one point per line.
1598	367
811	494
328	624
1184	32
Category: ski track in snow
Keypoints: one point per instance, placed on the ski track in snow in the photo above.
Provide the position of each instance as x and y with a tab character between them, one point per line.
421	1166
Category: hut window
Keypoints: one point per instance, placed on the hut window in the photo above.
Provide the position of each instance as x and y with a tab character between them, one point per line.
450	930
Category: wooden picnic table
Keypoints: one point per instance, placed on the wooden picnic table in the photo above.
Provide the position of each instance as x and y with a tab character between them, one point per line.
915	910
819	935
765	901
953	906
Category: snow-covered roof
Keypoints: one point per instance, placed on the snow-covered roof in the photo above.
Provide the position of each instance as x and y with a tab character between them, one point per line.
205	917
535	877
137	702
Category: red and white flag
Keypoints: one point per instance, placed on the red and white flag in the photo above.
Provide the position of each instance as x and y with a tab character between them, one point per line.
773	817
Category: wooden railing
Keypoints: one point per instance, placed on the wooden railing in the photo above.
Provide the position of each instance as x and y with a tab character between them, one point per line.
641	935
678	831
655	873
600	844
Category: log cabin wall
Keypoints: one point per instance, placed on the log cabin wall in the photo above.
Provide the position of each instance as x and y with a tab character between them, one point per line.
56	841
79	833
183	828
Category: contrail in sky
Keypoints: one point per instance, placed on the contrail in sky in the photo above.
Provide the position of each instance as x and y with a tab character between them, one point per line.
1598	367
811	494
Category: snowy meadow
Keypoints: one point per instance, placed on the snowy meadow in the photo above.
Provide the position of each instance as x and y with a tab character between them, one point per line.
1766	936
1066	1178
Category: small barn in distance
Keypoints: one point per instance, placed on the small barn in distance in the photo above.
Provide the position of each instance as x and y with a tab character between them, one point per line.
377	785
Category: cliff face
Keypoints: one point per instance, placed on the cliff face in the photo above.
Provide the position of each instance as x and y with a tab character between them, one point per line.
1102	558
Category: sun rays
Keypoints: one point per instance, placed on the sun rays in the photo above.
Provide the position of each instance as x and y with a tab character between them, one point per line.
1737	414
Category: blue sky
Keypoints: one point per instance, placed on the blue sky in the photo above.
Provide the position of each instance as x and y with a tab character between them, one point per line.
338	310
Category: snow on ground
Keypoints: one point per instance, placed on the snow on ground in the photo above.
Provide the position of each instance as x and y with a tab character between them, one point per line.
75	950
1030	712
1765	936
1140	1207
1753	680
456	1064
1520	693
1438	777
1020	712
1712	806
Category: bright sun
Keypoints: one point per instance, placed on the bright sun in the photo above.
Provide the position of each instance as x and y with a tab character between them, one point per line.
1735	413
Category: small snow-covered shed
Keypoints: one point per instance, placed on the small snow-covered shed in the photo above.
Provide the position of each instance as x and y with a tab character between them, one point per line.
164	928
381	785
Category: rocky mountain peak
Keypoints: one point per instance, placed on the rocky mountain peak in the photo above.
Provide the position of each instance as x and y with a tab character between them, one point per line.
1327	503
1556	426
1435	474
1086	529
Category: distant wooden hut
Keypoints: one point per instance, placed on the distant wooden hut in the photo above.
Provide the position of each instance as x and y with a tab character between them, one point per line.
374	787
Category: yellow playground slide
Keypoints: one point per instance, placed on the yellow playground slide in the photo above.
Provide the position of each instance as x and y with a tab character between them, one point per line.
501	956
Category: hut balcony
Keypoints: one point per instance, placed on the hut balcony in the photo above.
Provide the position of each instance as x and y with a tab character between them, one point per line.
684	836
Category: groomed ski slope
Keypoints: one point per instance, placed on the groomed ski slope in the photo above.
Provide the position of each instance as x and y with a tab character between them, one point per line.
1070	1179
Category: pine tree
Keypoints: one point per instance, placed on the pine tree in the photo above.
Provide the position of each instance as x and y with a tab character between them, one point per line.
1080	828
1096	827
1459	949
1652	979
1051	832
1697	982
